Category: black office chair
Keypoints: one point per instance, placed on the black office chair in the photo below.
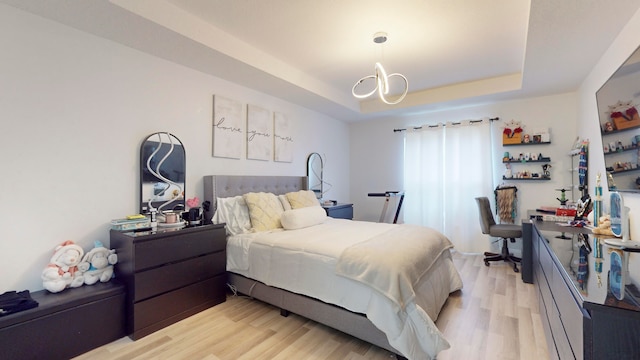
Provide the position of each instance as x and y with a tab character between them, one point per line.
503	231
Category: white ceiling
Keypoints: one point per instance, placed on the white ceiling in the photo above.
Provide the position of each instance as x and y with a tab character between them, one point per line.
311	52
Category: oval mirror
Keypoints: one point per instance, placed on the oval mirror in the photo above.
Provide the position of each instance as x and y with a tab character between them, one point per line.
162	173
314	174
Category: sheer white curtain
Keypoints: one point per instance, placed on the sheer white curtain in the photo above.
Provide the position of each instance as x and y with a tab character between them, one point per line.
445	169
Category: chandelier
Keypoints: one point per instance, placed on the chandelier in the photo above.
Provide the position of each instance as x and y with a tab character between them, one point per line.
381	79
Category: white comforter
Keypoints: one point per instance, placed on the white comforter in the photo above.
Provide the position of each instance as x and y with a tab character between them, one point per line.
305	261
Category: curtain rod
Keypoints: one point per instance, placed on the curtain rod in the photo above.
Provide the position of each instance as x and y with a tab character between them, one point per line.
433	126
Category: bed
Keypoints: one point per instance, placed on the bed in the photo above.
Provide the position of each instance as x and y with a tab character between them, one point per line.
322	269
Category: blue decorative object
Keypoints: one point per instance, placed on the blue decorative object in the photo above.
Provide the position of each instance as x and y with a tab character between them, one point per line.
617	275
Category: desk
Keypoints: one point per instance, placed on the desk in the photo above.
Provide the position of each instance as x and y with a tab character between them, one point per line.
581	318
527	246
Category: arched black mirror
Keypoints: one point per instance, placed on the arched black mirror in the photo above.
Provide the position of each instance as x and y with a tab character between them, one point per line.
314	174
162	173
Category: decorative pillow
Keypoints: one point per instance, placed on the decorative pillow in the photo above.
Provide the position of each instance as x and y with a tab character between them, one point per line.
302	198
285	202
303	217
265	210
234	212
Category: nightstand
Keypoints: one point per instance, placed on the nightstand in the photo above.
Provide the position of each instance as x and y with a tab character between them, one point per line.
170	274
339	211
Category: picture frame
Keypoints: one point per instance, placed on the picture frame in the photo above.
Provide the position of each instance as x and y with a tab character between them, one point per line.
282	138
259	133
228	128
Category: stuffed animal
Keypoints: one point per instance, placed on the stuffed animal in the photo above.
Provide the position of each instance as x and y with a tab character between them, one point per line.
604	226
62	271
97	264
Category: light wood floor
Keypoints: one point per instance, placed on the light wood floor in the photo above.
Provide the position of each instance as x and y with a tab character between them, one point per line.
494	316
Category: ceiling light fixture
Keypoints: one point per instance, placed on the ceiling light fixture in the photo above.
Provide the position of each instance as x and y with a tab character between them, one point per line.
381	78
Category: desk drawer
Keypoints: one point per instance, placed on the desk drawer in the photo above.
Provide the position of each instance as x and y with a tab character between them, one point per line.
166	278
559	337
545	293
571	315
177	247
546	262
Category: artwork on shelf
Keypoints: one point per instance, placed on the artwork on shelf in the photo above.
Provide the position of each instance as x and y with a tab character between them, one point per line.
624	115
259	130
228	129
512	132
282	138
540	135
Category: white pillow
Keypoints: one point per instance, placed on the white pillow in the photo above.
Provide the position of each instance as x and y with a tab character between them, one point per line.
285	202
303	217
265	210
302	198
234	212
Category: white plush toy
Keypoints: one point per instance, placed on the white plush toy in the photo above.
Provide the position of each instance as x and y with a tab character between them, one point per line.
62	271
97	264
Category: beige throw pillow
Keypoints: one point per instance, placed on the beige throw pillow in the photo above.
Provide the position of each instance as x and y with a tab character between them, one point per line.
265	210
302	198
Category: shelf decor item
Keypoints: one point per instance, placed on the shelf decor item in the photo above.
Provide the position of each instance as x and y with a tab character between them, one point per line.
512	133
624	115
542	134
195	212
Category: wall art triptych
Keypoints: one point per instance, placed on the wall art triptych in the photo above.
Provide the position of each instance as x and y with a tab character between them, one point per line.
268	135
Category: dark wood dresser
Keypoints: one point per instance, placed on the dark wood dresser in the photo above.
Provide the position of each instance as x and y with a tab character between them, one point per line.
170	274
580	316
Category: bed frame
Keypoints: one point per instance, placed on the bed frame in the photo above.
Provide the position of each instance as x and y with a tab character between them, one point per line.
336	317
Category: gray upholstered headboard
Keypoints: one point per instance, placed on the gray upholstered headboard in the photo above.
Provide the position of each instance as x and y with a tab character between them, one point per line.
216	186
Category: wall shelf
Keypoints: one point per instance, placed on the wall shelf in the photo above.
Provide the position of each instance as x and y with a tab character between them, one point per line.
624	171
540	160
631	148
529	143
541	176
619	131
579	171
530	179
619	163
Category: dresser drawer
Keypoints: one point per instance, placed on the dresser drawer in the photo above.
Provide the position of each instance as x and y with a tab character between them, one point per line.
177	247
160	311
176	275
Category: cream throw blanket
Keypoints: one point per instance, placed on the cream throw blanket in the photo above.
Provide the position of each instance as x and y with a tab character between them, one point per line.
391	269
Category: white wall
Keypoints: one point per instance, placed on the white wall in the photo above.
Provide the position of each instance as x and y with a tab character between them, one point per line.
75	109
377	152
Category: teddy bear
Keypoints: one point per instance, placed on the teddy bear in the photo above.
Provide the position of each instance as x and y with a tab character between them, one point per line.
97	264
62	271
604	226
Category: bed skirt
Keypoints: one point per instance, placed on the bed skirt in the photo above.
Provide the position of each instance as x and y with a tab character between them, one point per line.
356	325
